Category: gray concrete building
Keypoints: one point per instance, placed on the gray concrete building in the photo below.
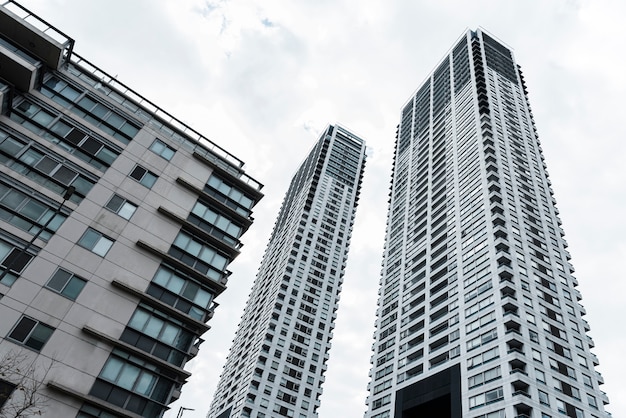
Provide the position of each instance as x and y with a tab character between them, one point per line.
118	226
277	362
478	314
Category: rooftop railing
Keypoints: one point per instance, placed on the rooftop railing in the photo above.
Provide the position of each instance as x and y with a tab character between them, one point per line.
159	119
40	24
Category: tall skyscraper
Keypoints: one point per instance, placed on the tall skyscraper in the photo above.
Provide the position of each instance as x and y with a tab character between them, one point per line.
479	315
277	362
118	225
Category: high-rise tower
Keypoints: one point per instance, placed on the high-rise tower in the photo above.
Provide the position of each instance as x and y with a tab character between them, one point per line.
478	315
277	362
118	223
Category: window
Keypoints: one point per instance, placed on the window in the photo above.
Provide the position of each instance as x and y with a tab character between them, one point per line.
162	149
143	176
541	376
189	296
124	377
89	108
590	398
25	212
50	126
31	333
536	355
121	206
6	388
13	260
43	167
199	255
543	398
484	377
66	283
159	334
486	398
229	195
215	223
95	242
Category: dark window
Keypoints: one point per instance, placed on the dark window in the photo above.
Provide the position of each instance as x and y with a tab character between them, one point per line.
12	261
31	333
6	389
66	283
143	176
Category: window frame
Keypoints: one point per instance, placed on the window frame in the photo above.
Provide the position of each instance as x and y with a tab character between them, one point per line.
63	289
166	152
122	208
147	178
35	326
93	247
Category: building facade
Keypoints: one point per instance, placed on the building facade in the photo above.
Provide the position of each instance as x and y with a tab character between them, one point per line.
118	226
478	314
277	362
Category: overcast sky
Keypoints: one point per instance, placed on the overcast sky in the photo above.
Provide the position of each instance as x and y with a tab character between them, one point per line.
263	78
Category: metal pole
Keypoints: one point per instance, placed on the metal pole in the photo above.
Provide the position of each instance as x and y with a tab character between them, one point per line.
68	193
183	409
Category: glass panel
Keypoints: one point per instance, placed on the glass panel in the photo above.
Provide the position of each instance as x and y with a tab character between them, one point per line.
176	284
22	329
74	287
33	210
145	383
102	247
127	210
148	180
168	336
40	335
43	118
59	280
13	199
64	175
139	319
112	369
89	239
203	298
11	146
129	375
153	327
115	203
161	277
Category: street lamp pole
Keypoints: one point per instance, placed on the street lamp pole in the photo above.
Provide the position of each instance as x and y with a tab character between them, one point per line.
183	409
68	193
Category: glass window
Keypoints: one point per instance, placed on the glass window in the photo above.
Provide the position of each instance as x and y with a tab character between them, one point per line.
95	242
161	148
13	260
31	333
66	283
6	389
229	195
198	255
121	206
143	176
543	398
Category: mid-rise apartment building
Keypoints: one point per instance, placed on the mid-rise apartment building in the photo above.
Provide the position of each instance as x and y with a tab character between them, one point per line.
278	358
478	315
118	226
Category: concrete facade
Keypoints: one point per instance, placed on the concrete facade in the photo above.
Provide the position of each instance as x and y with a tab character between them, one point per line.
277	362
109	291
479	315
